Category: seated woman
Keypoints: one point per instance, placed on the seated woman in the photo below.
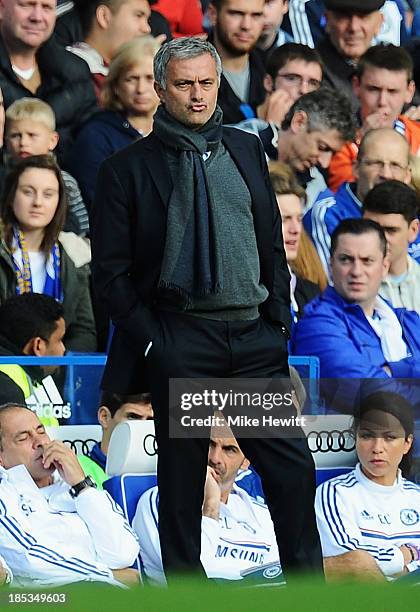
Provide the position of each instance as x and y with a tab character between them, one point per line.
307	264
129	102
290	198
36	256
369	519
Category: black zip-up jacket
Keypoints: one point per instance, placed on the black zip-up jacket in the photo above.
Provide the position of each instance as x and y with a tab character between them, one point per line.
66	85
229	101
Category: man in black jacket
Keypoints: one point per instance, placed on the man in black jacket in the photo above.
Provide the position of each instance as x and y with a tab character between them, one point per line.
189	259
351	26
33	64
236	27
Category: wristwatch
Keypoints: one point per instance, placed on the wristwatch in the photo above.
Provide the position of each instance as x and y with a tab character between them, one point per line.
84	484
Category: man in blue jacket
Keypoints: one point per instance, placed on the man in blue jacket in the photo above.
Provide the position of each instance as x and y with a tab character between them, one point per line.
355	333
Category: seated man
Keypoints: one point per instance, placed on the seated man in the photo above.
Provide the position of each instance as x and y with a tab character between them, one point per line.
236	27
113	409
32	324
33	64
307	21
351	26
384	85
384	154
63	530
292	70
107	24
352	330
237	531
315	127
68	28
394	206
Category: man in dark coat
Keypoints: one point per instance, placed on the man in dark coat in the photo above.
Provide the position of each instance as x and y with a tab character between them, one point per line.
189	259
236	27
351	26
33	64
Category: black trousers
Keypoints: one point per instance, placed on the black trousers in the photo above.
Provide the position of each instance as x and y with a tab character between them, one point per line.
192	347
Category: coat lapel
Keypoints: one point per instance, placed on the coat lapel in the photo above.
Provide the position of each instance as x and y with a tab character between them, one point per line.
158	167
244	161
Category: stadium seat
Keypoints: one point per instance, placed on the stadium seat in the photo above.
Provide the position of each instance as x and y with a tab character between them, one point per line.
132	449
330	440
132	456
127	489
323	474
81	438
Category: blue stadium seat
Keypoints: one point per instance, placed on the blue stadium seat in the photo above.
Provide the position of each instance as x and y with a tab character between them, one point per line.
250	481
127	489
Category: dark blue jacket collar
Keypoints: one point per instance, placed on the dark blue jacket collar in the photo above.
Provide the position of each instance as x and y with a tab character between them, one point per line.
98	456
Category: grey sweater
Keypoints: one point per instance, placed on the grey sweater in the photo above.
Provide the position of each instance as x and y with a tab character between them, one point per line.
242	290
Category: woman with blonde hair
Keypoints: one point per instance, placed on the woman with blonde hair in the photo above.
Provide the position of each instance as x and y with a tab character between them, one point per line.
129	103
307	277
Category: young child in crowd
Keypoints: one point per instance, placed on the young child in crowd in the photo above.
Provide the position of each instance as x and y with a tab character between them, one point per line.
30	130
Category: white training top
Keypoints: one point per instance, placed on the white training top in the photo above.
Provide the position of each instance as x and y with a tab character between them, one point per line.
49	539
241	539
354	512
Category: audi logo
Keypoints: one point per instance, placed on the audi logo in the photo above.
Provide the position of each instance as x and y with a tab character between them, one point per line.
331	441
82	447
150	445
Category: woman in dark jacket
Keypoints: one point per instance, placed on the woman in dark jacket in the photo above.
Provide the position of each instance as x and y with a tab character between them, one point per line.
129	101
36	256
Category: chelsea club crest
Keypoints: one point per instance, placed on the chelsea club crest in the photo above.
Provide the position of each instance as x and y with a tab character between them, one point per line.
409	516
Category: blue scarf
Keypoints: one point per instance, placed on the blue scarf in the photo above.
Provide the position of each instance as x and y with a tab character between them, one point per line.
192	259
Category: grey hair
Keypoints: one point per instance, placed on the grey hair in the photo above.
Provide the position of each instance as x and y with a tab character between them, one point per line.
182	49
326	110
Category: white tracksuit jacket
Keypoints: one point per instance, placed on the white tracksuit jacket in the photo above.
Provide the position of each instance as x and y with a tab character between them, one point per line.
354	513
243	538
49	539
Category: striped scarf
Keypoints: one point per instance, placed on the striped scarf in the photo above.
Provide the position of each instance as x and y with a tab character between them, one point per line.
22	267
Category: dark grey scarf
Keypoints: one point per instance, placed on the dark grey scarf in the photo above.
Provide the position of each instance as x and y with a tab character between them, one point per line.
191	264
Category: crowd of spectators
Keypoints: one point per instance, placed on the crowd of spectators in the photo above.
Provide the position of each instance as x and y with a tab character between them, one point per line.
332	90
